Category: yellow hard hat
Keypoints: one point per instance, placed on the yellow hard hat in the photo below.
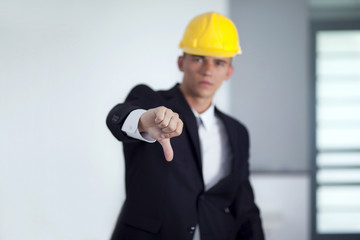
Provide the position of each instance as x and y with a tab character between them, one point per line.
211	34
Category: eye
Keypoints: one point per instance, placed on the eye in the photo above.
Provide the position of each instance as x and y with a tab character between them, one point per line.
220	63
197	59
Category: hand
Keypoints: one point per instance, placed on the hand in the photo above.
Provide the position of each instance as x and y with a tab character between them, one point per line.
162	124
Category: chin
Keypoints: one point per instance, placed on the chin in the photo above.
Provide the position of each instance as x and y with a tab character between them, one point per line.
206	95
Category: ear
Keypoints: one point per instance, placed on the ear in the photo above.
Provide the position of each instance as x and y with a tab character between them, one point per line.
180	63
229	72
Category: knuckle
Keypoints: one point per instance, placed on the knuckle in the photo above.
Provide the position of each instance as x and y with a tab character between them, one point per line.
161	109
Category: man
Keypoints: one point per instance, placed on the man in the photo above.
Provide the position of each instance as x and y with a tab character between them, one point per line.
196	185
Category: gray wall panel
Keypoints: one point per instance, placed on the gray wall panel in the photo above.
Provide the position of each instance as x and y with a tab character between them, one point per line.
270	86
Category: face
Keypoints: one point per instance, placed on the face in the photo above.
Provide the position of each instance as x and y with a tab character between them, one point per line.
203	75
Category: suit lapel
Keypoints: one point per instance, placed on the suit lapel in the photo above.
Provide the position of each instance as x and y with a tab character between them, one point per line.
232	134
178	103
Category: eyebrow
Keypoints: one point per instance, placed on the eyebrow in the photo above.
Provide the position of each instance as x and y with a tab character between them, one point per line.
196	56
216	59
220	60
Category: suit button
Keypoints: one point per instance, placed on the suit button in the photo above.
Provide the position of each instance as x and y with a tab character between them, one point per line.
202	197
191	229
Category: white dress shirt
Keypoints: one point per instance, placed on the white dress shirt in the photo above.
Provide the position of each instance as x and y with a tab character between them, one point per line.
130	126
214	143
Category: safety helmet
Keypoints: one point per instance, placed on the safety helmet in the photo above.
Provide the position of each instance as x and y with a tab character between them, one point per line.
211	34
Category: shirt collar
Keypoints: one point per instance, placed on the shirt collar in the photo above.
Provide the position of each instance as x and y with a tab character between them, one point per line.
208	117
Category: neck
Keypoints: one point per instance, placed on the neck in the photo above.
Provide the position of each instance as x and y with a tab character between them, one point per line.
199	104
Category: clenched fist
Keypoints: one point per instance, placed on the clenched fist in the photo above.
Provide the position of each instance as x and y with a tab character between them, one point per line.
162	124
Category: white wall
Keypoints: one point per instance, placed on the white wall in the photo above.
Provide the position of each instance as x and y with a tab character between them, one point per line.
284	201
63	65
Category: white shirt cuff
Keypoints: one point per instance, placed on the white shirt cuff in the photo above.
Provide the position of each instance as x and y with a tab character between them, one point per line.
130	126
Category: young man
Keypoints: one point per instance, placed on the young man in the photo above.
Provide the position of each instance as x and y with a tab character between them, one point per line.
193	183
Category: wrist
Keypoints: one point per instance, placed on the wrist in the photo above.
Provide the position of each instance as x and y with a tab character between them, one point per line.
140	125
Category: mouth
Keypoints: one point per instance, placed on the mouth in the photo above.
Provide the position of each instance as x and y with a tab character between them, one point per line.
205	83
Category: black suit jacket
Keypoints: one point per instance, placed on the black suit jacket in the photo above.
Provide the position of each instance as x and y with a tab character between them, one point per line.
167	199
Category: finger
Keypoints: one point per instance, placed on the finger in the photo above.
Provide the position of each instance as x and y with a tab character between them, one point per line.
179	127
175	133
167	117
172	125
159	114
168	151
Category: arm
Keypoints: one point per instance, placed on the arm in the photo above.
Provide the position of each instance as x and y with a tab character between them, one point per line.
130	126
160	123
116	119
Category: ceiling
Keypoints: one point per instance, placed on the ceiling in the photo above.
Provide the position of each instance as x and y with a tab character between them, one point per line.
334	4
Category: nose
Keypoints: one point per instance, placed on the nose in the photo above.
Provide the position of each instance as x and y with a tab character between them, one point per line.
208	68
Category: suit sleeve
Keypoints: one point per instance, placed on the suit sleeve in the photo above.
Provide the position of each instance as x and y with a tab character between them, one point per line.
140	97
247	214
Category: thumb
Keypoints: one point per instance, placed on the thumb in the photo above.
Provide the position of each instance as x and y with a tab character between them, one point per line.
168	151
